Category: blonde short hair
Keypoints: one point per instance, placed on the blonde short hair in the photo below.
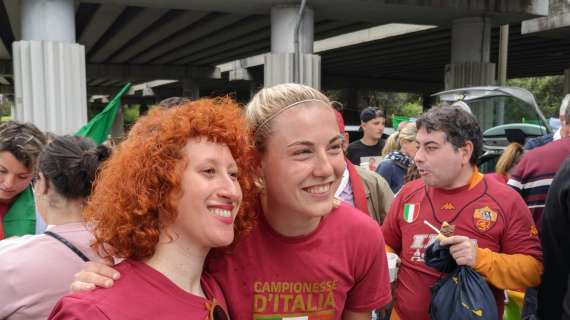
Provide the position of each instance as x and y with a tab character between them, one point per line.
268	102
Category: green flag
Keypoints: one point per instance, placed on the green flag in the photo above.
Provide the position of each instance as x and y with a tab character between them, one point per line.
99	127
21	217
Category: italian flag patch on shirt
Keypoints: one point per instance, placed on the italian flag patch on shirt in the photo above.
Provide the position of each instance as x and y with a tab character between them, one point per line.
411	212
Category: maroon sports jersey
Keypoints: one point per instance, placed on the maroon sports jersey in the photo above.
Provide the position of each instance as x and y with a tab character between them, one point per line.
490	212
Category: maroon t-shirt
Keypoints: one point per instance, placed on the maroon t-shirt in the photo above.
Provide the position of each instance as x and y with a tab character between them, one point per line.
491	213
339	266
141	293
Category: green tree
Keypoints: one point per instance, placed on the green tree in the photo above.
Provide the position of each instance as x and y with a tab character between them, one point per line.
548	92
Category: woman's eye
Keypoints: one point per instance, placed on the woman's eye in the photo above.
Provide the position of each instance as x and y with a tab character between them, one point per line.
336	146
302	152
233	175
209	171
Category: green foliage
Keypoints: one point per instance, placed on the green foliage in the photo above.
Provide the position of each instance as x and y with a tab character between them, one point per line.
131	113
5	108
548	92
411	109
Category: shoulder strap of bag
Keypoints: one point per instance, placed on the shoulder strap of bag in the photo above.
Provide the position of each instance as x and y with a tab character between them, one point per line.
67	244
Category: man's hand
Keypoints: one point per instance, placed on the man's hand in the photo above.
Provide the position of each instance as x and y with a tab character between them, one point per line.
462	249
94	274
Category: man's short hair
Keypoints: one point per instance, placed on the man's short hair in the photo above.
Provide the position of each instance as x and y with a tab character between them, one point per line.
371	113
458	125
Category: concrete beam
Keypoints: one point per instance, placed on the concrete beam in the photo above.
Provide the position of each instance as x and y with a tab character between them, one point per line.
345	40
250	62
368	35
555	25
104	17
133	27
135	73
330	82
208	28
407	11
150	72
163	31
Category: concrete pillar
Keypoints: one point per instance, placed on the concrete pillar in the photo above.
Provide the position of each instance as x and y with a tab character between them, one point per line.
281	66
470	50
49	68
190	89
48	20
470	66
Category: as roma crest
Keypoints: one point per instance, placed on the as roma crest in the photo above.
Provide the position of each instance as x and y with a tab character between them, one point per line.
484	218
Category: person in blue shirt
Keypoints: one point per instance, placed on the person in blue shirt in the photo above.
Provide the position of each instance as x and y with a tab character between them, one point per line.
396	163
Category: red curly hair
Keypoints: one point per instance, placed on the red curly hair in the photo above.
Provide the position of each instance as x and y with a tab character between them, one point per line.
137	191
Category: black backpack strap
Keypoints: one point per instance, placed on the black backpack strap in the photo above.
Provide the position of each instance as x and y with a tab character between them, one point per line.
67	244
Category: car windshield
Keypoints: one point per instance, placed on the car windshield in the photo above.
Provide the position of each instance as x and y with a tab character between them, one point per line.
498	106
499	110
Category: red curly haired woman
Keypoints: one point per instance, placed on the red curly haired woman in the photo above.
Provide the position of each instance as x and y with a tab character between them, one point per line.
179	185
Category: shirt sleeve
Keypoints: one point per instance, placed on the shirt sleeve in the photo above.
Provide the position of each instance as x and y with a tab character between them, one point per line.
519	265
72	308
390	228
517	178
372	282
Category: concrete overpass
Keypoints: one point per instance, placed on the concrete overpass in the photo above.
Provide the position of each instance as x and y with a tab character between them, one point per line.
143	40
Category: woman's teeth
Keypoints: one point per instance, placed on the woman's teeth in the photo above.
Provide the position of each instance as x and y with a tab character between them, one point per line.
319	189
221	212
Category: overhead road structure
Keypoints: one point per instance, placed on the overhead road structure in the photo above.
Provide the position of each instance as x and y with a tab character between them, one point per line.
165	35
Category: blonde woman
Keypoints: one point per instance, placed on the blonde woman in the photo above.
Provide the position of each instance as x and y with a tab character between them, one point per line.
396	163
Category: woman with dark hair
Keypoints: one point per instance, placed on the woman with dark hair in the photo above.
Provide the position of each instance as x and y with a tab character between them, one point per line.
178	186
20	146
36	270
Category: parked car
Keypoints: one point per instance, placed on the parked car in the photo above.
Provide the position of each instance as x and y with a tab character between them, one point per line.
505	114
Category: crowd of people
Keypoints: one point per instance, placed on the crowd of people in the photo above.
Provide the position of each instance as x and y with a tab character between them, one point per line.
211	210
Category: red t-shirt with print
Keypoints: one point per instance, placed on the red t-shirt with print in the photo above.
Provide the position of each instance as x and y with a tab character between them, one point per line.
339	266
490	212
